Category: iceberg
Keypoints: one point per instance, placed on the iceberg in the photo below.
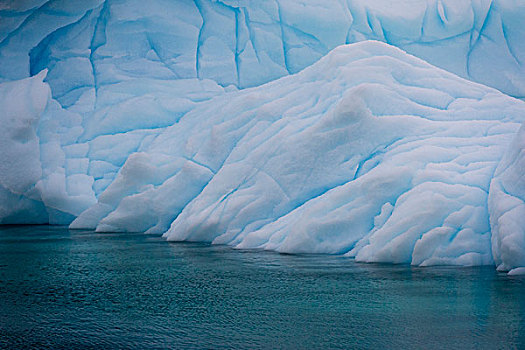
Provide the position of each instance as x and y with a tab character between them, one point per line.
388	132
369	152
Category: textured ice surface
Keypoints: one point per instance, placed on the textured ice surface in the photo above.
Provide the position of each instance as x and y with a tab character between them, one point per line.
22	104
369	152
43	172
507	208
155	118
87	45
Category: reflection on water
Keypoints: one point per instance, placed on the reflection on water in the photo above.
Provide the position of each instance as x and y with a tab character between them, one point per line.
81	289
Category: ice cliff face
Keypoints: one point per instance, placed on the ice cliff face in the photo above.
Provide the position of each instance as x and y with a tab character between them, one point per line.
92	44
166	116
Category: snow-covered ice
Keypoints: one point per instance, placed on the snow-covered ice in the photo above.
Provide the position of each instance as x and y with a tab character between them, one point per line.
246	123
369	152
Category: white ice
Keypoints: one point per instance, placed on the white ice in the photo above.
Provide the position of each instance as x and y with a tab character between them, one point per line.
369	152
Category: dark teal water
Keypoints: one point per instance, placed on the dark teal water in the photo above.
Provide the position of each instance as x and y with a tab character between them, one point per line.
61	289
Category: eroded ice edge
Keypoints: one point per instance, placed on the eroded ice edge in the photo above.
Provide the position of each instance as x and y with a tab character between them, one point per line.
369	152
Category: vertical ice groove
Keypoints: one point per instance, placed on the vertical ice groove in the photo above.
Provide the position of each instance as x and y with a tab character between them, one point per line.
508	44
442	12
351	20
238	49
472	45
384	32
237	46
98	40
200	39
424	22
369	20
251	33
283	37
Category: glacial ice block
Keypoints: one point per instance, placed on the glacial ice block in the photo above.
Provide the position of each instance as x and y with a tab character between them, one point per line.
369	152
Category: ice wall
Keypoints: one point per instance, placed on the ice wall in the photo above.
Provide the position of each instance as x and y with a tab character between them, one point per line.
97	43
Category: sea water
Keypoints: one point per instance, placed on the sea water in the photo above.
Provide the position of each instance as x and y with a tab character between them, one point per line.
80	289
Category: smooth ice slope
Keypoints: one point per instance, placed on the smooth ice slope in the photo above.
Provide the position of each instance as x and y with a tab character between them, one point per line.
369	152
